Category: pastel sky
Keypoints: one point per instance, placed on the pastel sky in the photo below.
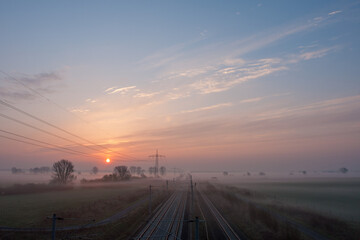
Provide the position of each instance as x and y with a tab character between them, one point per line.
214	85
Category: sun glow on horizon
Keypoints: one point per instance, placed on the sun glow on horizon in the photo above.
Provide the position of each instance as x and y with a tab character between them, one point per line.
107	160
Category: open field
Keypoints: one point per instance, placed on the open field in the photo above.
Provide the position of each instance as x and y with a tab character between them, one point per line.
274	221
8	179
334	197
89	202
330	194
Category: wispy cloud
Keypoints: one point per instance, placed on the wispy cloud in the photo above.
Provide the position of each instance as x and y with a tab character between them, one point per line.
203	34
312	121
184	75
40	78
177	95
121	90
315	54
31	86
91	100
251	100
331	105
146	94
235	75
334	12
79	110
216	106
15	94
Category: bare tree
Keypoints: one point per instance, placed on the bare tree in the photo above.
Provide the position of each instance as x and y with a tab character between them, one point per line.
151	170
343	170
162	171
15	170
138	170
37	170
122	172
63	172
94	170
133	169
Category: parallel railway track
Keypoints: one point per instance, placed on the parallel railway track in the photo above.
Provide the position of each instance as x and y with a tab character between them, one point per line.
167	222
229	233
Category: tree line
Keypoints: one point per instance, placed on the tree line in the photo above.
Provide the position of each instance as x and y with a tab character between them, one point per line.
63	173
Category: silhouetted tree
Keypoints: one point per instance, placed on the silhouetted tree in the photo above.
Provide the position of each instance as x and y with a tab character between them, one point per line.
40	170
15	170
151	170
162	171
132	169
122	172
225	173
63	172
343	170
94	170
261	173
138	170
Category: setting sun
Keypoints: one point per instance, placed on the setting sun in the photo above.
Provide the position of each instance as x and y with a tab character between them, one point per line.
108	160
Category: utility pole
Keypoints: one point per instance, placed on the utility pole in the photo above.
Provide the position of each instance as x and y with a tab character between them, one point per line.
53	227
196	228
191	206
156	156
150	200
192	196
197	231
54	218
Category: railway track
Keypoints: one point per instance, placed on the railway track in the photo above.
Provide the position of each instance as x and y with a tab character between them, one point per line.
167	222
228	232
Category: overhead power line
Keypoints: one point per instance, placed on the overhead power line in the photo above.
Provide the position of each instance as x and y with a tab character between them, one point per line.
35	144
63	130
44	131
37	93
47	132
45	122
64	109
55	147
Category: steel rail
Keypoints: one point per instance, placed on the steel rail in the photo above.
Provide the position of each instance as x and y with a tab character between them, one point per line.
224	225
177	221
156	219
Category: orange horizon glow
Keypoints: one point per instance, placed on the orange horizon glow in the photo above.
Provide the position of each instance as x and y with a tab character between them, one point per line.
108	160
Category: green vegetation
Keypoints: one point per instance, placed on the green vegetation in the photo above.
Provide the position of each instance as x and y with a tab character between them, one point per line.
95	202
100	201
333	197
270	209
254	223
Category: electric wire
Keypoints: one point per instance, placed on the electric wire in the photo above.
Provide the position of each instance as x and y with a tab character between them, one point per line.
47	132
64	109
72	151
58	128
35	144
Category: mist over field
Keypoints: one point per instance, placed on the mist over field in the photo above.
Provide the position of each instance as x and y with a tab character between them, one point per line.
180	120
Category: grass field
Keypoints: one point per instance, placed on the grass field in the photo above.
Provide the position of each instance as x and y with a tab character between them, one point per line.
264	209
31	210
339	198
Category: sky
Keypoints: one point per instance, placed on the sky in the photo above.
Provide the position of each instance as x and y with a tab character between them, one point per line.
213	85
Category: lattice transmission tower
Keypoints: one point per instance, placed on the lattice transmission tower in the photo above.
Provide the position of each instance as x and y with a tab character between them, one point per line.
156	156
